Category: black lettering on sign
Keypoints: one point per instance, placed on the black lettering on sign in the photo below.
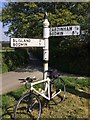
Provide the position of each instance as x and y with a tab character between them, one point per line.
65	28
54	33
13	40
57	28
76	28
57	33
61	33
25	44
39	42
77	33
70	28
13	44
29	40
18	44
72	32
24	40
62	29
21	44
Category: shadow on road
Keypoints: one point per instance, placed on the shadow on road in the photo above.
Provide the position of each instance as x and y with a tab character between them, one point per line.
33	65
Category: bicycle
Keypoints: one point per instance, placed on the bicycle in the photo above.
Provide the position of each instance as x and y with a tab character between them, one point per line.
29	105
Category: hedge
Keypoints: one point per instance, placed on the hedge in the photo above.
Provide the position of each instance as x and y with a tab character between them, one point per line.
13	59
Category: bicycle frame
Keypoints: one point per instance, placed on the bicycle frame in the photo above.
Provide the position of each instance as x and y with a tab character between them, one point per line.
46	93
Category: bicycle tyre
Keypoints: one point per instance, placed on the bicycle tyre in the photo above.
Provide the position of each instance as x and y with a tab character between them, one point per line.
29	106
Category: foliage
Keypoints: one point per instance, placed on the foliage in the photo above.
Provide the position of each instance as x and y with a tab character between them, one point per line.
16	94
9	100
73	56
13	59
4	68
6	100
76	82
25	19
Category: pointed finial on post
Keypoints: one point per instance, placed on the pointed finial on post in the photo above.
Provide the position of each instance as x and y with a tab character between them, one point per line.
45	15
46	23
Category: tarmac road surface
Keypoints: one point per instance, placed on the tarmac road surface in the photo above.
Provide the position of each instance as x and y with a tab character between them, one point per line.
9	81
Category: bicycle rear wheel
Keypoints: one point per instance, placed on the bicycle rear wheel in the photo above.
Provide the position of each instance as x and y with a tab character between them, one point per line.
28	106
58	85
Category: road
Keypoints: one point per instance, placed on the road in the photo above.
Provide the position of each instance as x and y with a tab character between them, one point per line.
9	81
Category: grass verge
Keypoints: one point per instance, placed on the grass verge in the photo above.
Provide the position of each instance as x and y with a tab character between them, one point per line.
76	104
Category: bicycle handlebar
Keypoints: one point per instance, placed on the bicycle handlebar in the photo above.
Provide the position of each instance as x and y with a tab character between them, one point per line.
28	79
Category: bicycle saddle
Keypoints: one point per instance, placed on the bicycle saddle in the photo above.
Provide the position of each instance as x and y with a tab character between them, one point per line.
53	74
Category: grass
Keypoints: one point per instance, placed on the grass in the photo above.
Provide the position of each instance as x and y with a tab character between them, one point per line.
76	104
7	50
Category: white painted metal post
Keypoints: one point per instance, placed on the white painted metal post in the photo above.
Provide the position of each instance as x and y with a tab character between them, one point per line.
46	47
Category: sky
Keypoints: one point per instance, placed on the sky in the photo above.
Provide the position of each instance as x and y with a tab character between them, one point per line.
3	37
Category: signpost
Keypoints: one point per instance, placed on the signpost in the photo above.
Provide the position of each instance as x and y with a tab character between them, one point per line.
65	31
47	32
26	42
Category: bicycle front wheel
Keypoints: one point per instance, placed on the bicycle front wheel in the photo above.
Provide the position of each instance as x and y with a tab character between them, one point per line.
28	106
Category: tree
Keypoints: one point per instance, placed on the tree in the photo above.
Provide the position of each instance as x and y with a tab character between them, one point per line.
25	19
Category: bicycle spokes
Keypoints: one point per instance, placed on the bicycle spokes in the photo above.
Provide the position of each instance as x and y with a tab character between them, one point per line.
28	106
